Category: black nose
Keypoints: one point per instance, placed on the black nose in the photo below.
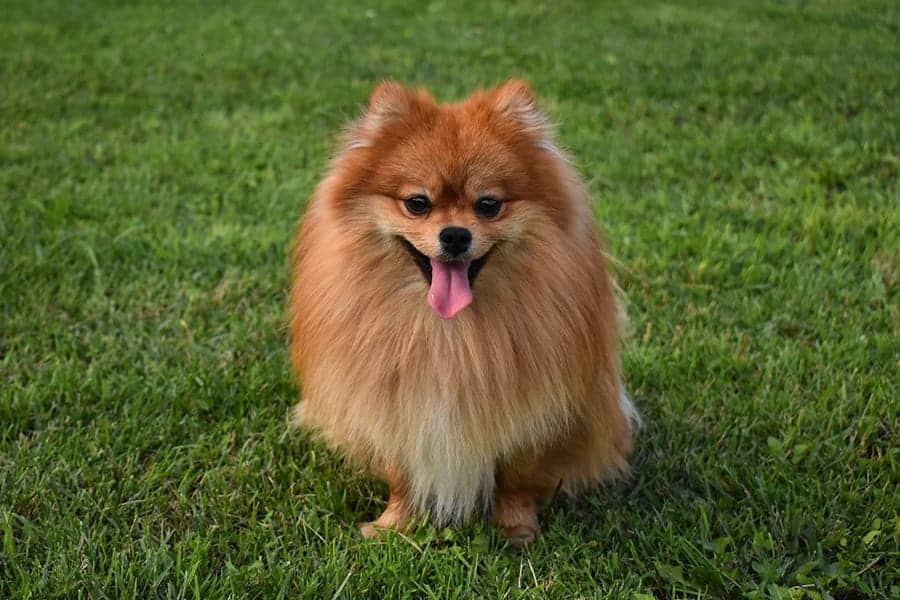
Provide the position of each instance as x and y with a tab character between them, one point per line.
455	240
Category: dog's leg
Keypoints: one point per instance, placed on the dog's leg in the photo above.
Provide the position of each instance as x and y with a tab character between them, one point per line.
397	513
515	513
520	488
590	451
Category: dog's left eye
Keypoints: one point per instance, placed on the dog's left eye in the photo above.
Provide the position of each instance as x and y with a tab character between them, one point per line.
488	207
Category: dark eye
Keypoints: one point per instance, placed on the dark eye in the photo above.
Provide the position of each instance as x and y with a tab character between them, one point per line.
418	205
487	207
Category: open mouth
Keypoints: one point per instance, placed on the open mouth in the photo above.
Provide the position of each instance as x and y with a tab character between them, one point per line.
450	283
424	263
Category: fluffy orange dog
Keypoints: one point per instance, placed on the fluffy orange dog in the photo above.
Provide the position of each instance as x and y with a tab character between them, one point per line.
454	324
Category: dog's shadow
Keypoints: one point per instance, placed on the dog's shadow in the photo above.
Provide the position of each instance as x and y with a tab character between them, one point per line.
668	475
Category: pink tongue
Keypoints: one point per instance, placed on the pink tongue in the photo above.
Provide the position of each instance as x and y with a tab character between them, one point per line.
450	291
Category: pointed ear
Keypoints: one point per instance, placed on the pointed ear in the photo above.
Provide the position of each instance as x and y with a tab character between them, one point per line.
512	96
515	100
389	99
388	102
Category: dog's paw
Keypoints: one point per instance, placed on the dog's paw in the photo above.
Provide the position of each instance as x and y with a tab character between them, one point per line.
370	529
520	536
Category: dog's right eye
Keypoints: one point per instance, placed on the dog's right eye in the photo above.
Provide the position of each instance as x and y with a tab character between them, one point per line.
418	205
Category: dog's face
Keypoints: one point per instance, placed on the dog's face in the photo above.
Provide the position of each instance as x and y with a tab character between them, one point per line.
449	183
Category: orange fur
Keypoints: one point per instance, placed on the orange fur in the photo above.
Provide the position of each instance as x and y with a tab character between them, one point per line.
517	394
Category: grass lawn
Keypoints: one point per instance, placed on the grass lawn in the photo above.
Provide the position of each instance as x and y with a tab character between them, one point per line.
154	159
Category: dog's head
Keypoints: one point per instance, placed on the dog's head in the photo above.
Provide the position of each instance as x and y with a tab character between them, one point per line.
449	184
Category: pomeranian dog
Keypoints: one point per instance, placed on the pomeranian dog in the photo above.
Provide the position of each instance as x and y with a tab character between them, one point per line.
454	324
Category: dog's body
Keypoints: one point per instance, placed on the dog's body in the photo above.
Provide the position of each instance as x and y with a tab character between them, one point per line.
504	385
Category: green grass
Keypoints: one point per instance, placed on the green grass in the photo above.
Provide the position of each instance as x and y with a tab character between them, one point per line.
154	159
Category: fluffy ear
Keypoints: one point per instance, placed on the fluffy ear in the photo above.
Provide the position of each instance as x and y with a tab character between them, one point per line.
515	100
389	101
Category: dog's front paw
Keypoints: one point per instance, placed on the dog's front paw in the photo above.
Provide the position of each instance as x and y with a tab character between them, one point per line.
515	515
370	529
519	536
386	523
